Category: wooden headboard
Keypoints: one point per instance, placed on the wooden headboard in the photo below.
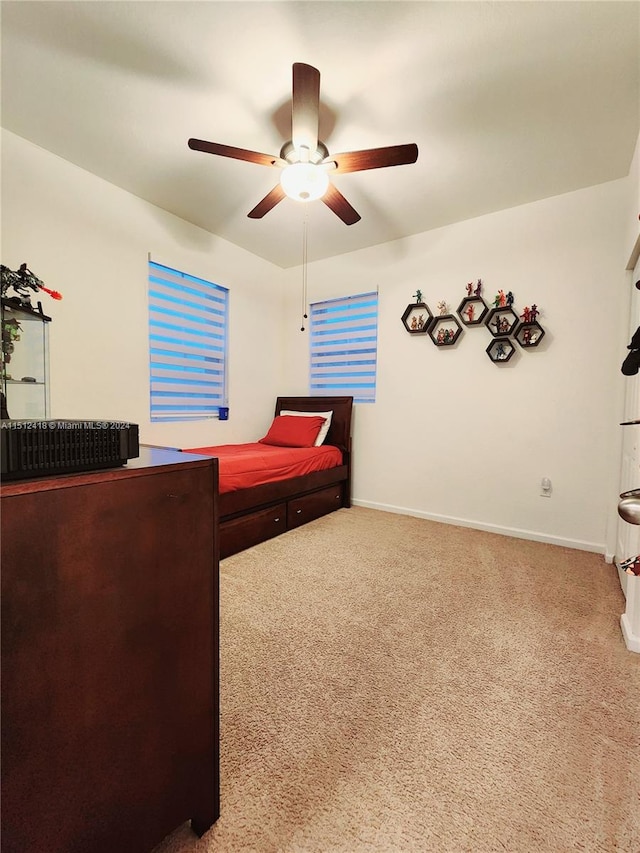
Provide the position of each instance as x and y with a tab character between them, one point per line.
340	430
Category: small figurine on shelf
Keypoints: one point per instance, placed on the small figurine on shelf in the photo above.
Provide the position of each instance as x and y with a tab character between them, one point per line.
533	313
510	298
526	337
500	351
470	311
498	325
445	336
501	300
504	324
414	322
478	291
22	281
470	289
526	315
421	321
11	329
443	308
418	296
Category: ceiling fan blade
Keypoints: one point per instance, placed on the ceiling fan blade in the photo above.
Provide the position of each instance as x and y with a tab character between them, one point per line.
334	199
236	153
374	158
305	106
268	202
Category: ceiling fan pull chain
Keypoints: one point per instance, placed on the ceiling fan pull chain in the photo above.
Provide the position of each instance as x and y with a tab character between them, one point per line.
304	270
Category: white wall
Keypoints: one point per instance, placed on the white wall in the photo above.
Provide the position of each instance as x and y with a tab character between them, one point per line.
451	436
457	438
632	218
90	240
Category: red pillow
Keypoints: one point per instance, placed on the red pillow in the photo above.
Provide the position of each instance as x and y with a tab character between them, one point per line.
290	431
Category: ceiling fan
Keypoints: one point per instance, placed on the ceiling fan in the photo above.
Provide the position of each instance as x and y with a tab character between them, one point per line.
305	160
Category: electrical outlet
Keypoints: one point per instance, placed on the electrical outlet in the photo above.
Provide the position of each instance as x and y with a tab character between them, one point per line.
545	487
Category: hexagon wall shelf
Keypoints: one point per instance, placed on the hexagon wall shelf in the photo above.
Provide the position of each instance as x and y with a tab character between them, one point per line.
529	335
445	330
500	350
472	310
417	318
501	321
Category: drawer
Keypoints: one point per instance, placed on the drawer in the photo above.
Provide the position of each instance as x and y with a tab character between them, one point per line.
248	530
301	510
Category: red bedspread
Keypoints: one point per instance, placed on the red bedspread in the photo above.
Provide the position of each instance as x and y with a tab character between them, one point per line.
244	465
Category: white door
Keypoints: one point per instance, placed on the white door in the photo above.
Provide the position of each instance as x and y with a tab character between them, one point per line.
628	538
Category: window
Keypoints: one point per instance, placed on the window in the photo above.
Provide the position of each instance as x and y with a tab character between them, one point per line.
344	344
187	345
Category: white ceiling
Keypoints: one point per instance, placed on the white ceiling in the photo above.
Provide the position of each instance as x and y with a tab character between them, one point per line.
508	102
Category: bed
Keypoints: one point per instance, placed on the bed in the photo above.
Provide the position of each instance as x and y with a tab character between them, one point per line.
265	490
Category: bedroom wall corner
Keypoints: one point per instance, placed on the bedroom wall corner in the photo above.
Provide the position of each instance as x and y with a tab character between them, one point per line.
455	437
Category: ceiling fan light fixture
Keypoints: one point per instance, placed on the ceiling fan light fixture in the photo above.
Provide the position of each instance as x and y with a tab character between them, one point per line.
304	181
304	160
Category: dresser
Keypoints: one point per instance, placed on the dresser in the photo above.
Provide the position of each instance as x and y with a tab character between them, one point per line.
110	647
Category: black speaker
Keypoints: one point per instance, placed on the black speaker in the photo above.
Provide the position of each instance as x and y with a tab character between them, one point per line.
41	448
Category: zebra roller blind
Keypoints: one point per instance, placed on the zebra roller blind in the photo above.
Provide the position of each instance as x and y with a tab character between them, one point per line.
187	345
344	345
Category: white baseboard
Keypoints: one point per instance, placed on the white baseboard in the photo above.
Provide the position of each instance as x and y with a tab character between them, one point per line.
596	547
630	619
631	640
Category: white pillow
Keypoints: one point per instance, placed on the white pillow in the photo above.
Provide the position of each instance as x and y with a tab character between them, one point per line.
324	429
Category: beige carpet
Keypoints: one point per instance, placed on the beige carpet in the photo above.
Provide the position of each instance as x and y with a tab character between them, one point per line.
391	684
